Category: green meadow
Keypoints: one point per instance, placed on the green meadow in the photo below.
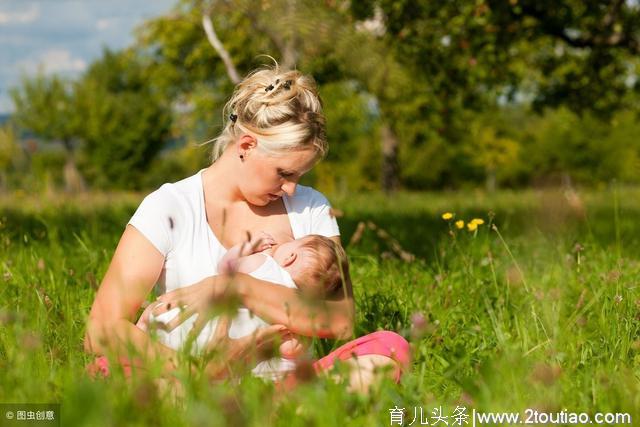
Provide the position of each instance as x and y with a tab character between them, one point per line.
537	309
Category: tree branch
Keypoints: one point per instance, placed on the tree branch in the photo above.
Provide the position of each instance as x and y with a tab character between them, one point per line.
217	45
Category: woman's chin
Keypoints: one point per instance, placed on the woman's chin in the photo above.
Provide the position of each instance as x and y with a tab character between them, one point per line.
259	201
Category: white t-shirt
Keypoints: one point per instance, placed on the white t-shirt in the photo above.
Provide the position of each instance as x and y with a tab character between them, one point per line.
173	219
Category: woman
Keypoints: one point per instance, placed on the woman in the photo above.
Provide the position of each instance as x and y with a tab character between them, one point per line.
274	133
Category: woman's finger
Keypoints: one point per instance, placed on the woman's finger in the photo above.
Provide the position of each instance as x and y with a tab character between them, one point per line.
269	333
174	295
144	317
185	313
220	336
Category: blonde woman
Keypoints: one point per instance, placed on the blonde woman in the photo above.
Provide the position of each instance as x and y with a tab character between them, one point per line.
274	133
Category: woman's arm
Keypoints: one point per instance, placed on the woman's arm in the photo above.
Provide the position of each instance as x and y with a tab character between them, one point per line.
134	269
286	306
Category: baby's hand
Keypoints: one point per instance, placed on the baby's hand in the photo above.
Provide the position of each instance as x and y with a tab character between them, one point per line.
291	349
261	241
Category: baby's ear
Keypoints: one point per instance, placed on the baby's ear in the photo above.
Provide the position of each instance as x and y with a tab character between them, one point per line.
290	259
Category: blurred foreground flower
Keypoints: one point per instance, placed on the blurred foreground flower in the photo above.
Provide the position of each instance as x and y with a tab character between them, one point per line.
460	224
447	216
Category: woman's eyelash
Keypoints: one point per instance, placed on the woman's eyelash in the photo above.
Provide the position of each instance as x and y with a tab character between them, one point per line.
285	174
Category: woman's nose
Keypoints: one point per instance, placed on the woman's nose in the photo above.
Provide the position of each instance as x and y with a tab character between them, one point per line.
289	188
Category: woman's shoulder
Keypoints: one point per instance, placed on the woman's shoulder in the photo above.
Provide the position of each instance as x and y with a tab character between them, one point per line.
310	213
179	191
308	196
177	199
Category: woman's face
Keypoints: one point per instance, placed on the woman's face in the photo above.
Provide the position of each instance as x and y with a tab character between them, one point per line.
265	178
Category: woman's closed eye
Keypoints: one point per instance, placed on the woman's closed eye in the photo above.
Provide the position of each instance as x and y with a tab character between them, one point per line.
285	174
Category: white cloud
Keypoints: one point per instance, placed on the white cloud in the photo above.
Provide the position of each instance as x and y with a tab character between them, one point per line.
59	60
22	17
55	61
104	24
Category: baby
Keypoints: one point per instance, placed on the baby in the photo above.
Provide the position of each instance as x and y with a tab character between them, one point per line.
313	264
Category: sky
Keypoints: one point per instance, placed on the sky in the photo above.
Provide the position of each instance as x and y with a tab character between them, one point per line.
64	36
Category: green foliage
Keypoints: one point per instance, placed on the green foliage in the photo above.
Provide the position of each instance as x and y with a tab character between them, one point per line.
12	157
125	121
505	93
585	148
46	106
46	172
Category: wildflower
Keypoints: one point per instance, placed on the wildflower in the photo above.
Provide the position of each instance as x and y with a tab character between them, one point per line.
447	216
460	223
477	221
472	226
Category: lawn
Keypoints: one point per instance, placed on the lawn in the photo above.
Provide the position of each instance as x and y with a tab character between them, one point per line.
538	309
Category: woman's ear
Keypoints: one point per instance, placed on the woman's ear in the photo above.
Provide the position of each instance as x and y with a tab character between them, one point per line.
245	144
290	259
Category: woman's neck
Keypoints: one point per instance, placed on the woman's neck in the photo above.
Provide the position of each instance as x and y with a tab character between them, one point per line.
219	181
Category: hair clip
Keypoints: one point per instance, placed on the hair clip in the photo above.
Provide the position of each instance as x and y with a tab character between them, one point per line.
287	84
268	88
233	117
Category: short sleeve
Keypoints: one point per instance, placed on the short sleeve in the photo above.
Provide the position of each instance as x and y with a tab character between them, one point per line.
310	213
323	222
155	218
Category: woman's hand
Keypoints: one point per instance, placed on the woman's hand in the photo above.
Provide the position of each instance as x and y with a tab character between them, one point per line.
199	298
244	351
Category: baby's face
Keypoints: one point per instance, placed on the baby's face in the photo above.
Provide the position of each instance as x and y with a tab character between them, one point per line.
289	253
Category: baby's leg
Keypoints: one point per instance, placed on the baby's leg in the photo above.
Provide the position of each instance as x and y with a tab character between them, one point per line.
370	359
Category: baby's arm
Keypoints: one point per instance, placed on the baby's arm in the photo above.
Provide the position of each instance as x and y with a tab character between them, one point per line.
229	263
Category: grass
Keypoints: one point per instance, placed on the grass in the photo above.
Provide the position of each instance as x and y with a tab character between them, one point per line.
542	311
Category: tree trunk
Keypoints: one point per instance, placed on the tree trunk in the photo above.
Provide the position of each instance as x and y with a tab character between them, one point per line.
490	182
390	167
73	180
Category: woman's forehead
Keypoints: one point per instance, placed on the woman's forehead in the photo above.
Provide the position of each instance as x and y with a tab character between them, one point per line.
299	160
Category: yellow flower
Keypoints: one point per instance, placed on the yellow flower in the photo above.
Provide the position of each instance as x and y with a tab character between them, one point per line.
447	216
460	223
477	221
472	226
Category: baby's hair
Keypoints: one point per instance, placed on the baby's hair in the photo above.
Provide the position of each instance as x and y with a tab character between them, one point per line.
281	109
329	267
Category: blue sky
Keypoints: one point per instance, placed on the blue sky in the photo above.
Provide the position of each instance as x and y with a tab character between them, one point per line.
64	36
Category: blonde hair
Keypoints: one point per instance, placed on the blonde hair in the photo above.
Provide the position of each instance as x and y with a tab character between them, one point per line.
328	269
281	109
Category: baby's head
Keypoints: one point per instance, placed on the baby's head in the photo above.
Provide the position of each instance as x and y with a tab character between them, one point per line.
316	264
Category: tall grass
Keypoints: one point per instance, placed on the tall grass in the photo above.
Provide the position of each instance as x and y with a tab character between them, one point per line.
542	311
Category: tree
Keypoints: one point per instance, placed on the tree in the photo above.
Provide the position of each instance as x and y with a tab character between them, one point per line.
319	38
47	107
125	120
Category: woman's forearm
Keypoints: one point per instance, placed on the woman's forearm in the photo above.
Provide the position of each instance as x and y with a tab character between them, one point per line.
286	306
